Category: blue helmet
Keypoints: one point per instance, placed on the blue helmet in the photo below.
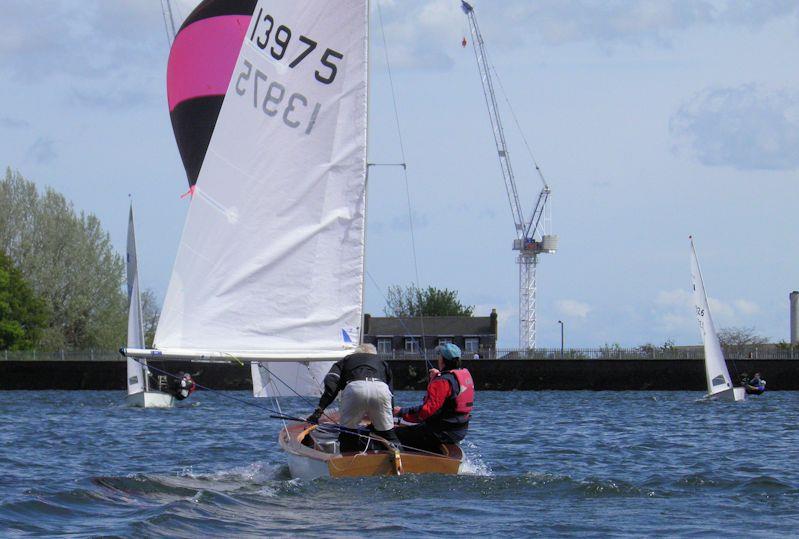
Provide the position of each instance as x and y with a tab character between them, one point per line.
448	351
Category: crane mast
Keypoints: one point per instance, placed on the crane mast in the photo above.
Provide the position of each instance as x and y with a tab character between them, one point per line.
531	237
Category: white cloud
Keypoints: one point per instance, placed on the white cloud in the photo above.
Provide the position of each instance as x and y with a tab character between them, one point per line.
98	39
42	151
745	127
677	297
746	307
504	314
673	310
720	309
572	308
10	122
425	34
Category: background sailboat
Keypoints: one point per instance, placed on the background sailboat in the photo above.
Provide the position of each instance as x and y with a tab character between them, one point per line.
719	383
138	381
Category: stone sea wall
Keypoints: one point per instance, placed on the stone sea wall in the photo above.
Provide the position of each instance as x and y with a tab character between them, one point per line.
502	375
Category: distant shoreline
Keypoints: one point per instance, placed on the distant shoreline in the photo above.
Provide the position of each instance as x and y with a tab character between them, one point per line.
498	374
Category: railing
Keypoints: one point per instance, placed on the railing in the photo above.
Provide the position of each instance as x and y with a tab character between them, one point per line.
610	352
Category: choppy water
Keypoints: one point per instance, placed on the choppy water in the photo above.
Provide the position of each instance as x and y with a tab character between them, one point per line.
549	463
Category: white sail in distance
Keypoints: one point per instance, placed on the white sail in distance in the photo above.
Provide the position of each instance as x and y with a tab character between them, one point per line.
136	377
718	377
271	258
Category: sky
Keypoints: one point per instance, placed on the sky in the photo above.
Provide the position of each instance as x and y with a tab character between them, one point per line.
651	119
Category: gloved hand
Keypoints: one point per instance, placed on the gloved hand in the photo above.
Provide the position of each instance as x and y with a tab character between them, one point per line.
396	411
314	417
432	373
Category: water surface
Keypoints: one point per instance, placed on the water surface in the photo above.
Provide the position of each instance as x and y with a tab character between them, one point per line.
549	463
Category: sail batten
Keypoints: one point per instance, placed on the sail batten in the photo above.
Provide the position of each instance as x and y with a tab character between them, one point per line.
270	263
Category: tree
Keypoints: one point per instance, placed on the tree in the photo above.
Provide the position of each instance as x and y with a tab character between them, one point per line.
70	263
411	302
22	314
739	337
150	311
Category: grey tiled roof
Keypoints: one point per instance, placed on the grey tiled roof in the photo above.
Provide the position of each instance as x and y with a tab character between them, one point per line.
433	325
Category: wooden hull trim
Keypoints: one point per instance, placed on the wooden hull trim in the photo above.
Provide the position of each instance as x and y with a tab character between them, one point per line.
310	462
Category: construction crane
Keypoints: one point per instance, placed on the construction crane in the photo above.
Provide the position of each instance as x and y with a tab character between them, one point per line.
532	237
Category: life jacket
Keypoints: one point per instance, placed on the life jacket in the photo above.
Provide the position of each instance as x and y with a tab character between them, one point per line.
458	407
463	391
185	388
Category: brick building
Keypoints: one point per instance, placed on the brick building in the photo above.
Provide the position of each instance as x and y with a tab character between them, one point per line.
407	337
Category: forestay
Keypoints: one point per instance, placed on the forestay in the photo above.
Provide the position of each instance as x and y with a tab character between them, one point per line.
136	380
270	263
718	377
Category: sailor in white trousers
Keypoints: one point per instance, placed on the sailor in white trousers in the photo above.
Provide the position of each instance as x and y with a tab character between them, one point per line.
364	381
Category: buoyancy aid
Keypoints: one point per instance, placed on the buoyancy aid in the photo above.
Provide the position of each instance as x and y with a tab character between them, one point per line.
464	392
185	387
458	407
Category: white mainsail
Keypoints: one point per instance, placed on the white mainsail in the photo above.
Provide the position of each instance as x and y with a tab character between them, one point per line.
137	381
718	377
270	264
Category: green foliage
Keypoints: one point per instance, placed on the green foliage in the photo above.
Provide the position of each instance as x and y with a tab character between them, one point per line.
150	312
732	337
610	351
411	302
22	314
69	261
651	350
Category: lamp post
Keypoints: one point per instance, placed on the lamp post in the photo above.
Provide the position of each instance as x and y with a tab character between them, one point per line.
561	338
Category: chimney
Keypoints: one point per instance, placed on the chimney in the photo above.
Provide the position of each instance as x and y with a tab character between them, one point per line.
367	318
794	297
494	324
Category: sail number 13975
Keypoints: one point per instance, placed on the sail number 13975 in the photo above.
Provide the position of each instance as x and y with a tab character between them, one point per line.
266	31
273	98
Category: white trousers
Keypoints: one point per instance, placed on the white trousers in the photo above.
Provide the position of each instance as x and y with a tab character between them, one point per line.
370	398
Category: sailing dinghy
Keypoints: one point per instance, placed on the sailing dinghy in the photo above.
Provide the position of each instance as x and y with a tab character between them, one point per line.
138	380
719	383
270	266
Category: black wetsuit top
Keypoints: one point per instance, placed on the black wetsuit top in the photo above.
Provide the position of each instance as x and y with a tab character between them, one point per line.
351	368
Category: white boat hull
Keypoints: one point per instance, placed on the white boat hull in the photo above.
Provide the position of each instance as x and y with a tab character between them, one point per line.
306	468
732	394
150	399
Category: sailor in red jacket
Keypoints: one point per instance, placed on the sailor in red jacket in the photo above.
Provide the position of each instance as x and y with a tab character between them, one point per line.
443	416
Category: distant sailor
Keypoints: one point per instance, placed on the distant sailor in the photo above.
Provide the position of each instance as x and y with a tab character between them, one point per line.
365	384
443	417
183	387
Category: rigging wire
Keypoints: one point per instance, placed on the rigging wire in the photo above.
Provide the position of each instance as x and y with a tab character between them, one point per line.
518	126
166	23
279	413
404	168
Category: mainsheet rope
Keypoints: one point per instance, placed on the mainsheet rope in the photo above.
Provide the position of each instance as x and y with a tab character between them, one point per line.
279	414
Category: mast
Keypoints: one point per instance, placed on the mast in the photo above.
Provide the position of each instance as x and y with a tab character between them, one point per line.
169	20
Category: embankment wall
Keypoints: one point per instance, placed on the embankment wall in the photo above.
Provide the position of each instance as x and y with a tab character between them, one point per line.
500	374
